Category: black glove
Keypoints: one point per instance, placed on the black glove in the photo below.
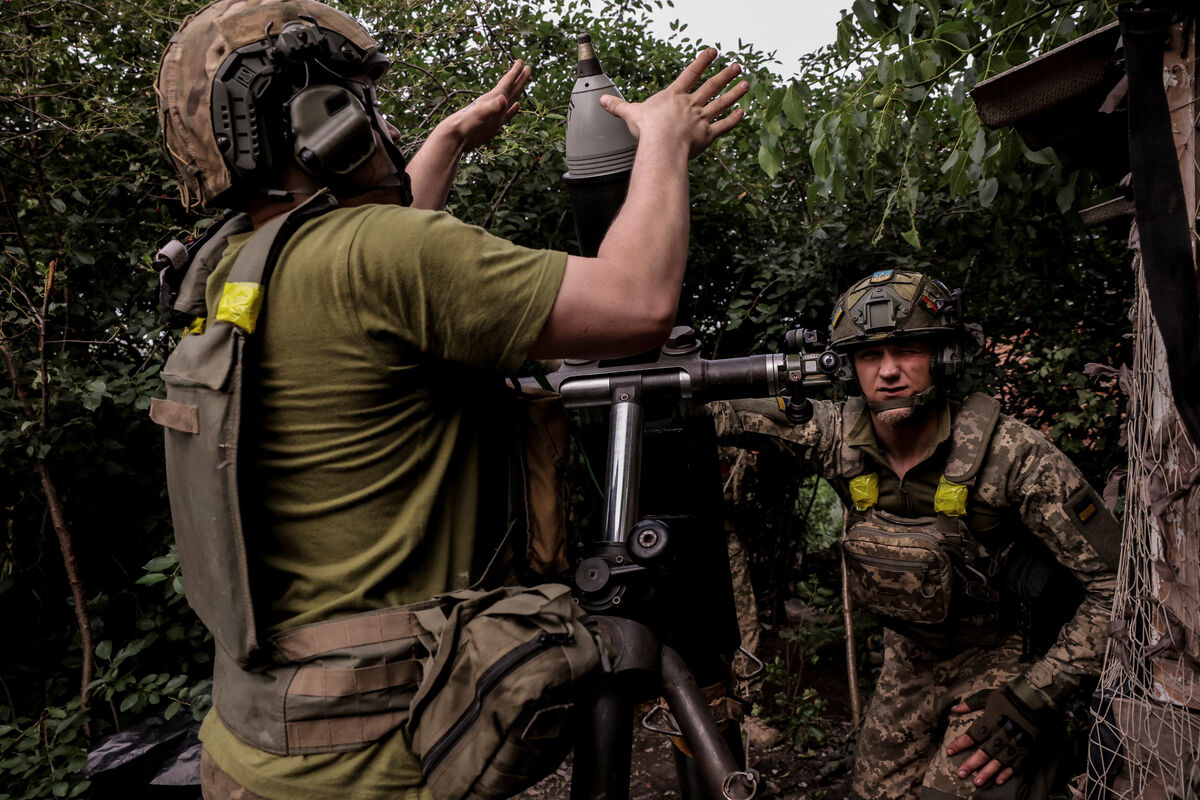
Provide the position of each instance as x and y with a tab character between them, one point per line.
1013	720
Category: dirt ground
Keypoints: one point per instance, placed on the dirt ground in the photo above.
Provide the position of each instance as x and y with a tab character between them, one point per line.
788	771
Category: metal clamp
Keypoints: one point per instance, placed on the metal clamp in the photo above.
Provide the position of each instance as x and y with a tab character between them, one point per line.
759	666
667	719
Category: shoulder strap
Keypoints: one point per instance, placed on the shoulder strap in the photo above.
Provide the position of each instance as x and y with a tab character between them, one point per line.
851	462
257	259
244	289
969	438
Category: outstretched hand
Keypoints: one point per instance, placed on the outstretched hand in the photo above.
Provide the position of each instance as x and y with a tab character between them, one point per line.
478	123
695	118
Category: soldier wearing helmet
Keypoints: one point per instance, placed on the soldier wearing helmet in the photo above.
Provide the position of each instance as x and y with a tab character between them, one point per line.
363	452
981	548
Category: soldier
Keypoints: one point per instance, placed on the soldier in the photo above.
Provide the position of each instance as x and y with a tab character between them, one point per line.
981	547
361	426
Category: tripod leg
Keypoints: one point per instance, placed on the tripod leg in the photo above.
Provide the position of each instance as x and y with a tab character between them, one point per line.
716	764
603	748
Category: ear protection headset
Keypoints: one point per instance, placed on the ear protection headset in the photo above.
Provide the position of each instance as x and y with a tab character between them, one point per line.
294	97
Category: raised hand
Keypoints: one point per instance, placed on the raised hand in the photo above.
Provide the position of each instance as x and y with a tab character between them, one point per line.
694	118
478	123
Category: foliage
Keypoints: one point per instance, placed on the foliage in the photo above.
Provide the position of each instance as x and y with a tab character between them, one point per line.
824	182
795	704
878	145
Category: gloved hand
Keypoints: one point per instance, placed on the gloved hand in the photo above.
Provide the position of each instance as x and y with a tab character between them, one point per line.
1008	728
1014	718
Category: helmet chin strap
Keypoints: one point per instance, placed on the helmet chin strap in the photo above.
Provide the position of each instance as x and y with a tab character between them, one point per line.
918	400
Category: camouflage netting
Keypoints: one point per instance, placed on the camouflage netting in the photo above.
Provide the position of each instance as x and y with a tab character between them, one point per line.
1147	741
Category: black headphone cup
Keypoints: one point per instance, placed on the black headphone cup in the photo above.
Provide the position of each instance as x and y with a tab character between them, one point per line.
333	133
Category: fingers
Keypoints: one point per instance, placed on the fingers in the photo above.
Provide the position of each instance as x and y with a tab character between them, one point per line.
961	708
723	126
713	86
978	759
519	82
983	766
958	745
722	103
511	85
694	71
988	772
613	104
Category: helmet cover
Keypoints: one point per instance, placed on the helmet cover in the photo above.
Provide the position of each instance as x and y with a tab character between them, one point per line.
893	304
195	56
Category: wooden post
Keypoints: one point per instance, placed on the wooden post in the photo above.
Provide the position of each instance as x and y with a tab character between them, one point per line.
851	650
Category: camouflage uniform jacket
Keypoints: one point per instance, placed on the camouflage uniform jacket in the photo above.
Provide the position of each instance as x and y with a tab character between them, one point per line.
1024	484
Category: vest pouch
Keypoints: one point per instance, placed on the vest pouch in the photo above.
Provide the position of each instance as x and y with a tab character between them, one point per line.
898	568
201	418
545	450
494	710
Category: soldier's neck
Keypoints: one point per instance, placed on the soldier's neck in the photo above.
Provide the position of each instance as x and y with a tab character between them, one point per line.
906	438
298	187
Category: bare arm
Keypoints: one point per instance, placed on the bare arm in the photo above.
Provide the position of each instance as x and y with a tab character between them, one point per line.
433	167
624	300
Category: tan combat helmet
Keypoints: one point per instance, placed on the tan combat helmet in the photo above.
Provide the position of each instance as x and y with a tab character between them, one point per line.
893	305
246	86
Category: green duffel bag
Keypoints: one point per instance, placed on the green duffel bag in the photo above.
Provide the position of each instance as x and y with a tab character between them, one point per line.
494	711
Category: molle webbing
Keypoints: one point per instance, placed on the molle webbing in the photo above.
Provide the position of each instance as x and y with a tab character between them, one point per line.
332	686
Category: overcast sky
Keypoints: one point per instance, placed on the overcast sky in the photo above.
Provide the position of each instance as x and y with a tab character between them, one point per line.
791	27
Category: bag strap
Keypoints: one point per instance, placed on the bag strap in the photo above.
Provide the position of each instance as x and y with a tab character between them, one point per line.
969	438
850	462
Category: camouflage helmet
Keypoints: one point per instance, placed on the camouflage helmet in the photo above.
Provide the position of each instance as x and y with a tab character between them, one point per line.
204	51
893	304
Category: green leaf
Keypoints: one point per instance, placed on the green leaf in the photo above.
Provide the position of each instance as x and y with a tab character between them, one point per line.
912	237
988	188
951	161
129	702
883	70
161	563
867	16
908	18
1035	156
60	789
770	160
1065	198
794	107
58	205
104	649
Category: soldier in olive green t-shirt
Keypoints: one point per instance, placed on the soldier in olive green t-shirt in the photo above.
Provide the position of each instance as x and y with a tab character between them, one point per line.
362	464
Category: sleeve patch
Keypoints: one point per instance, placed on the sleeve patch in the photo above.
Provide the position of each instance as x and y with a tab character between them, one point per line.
1096	524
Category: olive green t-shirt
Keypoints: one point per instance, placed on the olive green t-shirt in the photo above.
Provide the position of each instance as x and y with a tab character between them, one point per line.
382	327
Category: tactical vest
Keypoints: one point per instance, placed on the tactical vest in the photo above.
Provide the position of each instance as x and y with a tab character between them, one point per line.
932	578
328	686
